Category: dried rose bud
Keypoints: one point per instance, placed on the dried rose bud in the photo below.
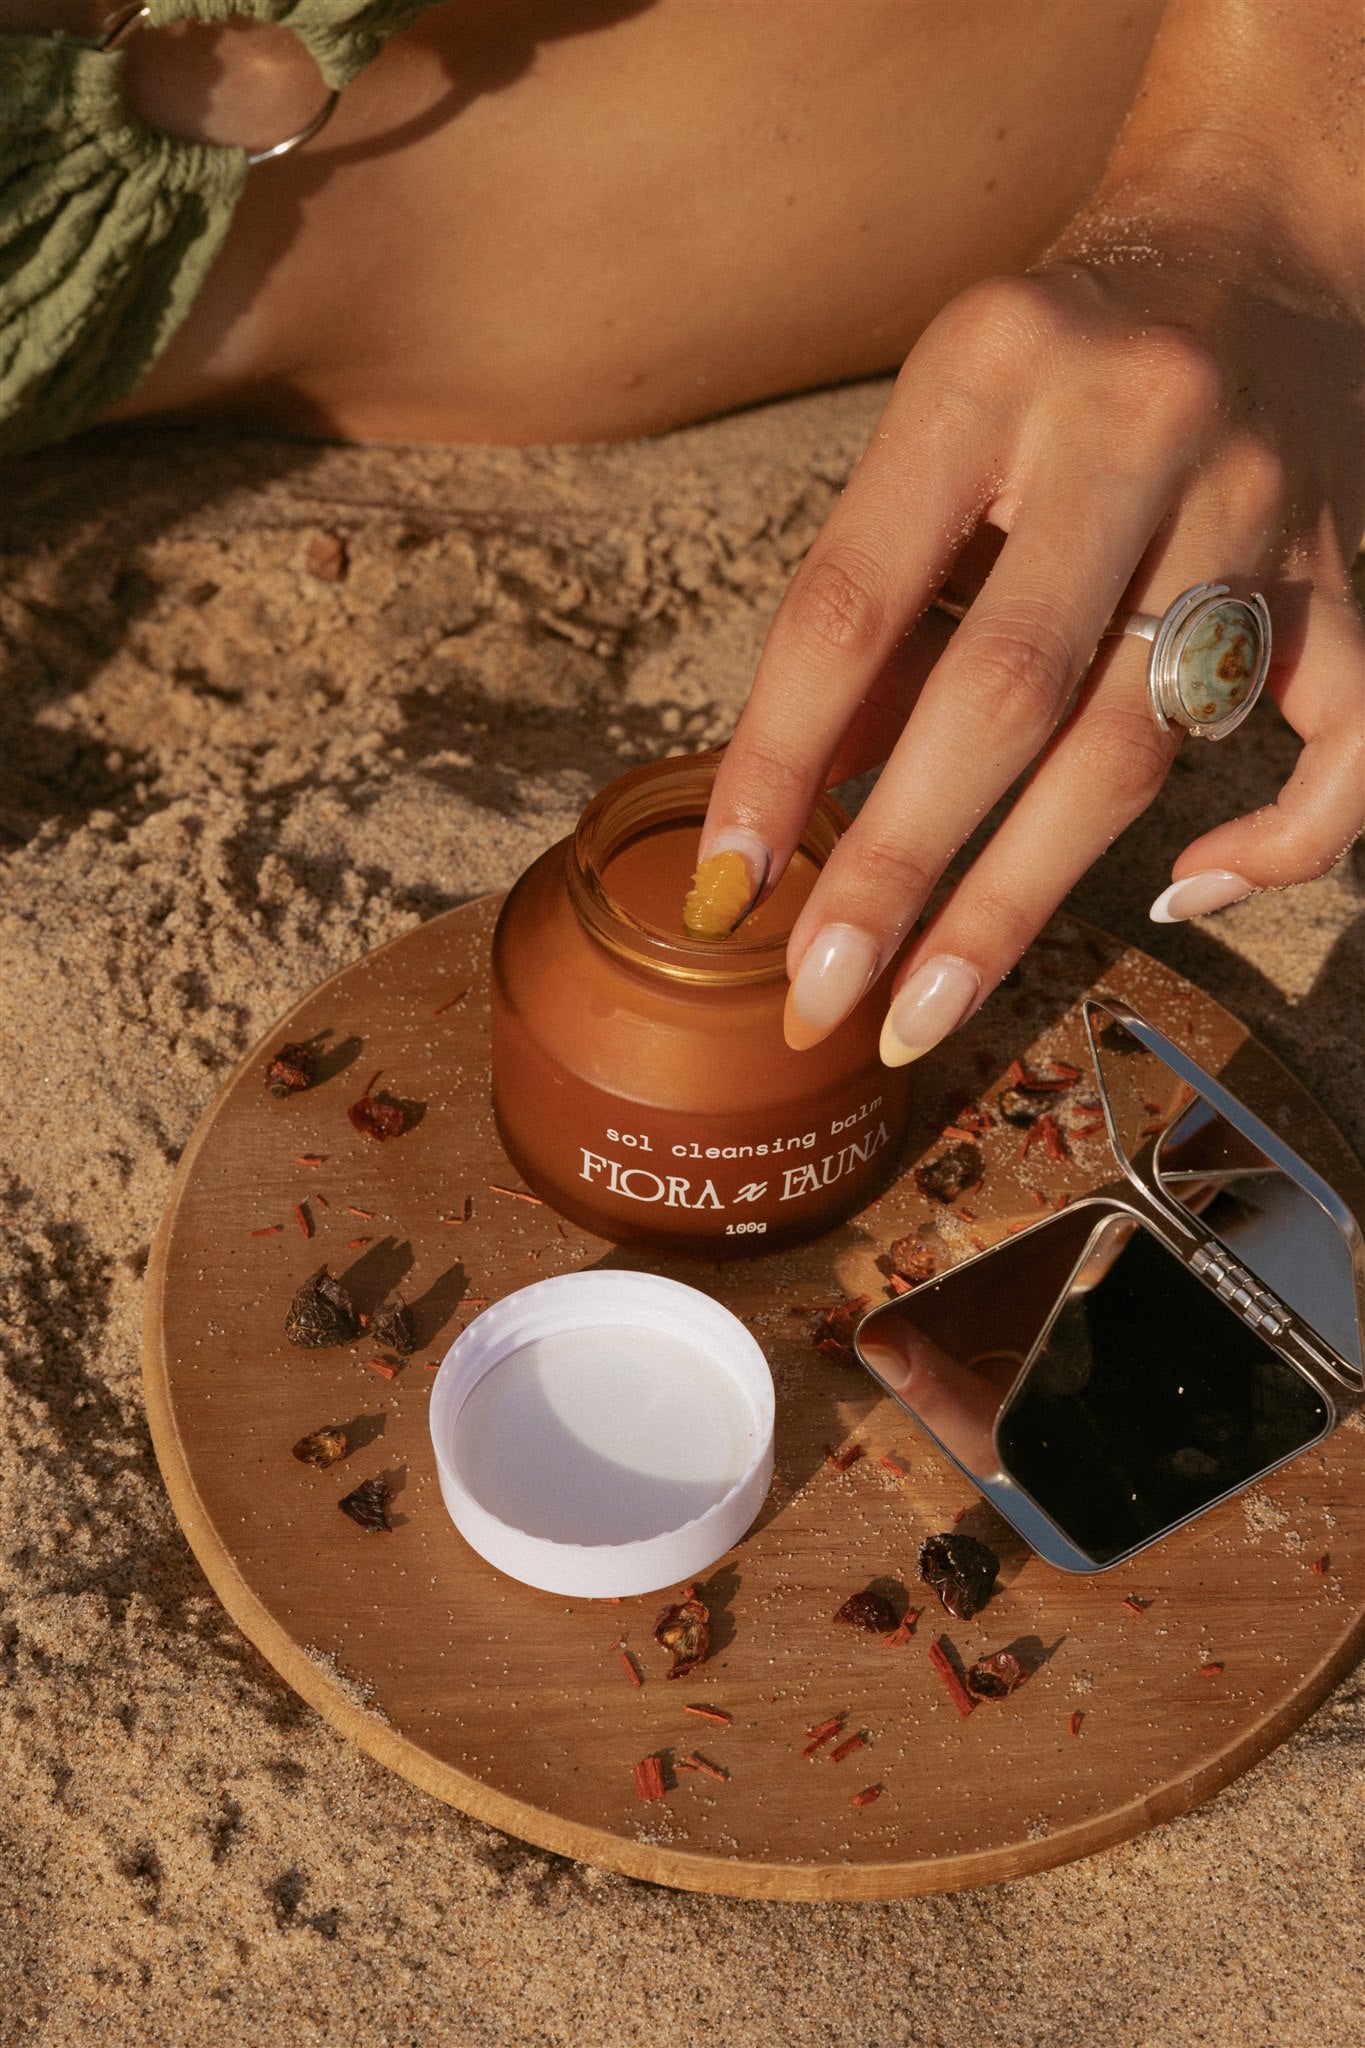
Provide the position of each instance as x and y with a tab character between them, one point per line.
869	1612
322	1313
322	1448
684	1630
368	1506
950	1175
391	1326
913	1257
995	1677
960	1570
1022	1106
832	1329
378	1116
290	1071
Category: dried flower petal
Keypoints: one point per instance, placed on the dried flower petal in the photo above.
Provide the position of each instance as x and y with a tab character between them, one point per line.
378	1116
368	1506
960	1570
290	1071
948	1177
684	1630
392	1327
997	1676
322	1448
869	1612
322	1313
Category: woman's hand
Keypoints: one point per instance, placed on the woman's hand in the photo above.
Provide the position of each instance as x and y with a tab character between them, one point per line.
1171	398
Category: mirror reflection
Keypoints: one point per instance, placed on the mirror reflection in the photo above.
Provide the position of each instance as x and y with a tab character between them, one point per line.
1083	1365
1271	1225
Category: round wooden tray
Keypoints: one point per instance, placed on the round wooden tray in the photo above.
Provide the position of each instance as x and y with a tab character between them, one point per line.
515	1705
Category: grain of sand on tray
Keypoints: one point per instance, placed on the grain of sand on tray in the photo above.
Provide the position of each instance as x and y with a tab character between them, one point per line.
264	706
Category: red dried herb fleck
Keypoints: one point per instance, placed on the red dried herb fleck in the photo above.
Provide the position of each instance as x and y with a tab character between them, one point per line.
954	1134
895	1285
268	1230
632	1669
1065	1069
953	1686
869	1795
303	1219
290	1071
1134	1605
441	1008
385	1367
310	1159
869	1612
517	1194
893	1466
321	1201
695	1762
649	1779
841	1460
456	1222
848	1748
354	1243
1074	1724
1210	1670
997	1676
1320	1564
366	1214
833	1327
378	1116
684	1630
368	1506
322	1448
716	1714
818	1737
903	1630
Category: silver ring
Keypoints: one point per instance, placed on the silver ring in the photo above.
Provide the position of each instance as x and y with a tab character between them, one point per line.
1209	660
138	16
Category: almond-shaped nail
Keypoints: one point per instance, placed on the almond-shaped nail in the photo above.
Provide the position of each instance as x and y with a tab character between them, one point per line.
1214	889
932	1003
728	882
838	966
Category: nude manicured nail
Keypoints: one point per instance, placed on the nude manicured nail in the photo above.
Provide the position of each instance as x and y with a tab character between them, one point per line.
1198	894
738	839
839	963
932	1003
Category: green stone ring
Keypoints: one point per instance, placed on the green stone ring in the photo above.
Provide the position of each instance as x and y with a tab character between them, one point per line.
1210	653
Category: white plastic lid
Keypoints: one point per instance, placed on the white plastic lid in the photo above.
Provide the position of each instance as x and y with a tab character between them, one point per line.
603	1433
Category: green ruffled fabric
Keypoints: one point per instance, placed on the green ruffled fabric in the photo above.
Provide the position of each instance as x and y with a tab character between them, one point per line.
108	229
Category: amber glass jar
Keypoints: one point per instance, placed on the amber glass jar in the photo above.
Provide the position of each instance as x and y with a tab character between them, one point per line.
641	1081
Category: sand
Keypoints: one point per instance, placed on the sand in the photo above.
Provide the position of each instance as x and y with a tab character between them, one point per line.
265	705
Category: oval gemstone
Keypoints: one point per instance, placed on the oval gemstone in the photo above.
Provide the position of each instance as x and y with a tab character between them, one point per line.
1219	661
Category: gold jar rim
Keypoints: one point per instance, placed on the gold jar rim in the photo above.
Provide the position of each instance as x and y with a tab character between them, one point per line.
674	791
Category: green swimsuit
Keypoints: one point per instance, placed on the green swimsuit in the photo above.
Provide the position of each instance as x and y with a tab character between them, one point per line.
107	229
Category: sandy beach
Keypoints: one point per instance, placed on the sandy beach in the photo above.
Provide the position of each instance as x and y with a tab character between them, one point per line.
265	705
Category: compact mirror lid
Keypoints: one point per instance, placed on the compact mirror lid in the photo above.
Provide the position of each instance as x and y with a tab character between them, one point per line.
1223	1174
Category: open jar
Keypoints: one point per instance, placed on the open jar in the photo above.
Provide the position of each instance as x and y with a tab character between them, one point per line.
641	1081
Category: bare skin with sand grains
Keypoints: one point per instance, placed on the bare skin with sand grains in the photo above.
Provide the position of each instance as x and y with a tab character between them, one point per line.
1114	252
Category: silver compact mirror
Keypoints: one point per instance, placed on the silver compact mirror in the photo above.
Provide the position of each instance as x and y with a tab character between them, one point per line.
1120	1368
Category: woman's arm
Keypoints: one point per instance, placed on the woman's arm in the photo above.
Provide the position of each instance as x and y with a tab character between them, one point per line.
1171	396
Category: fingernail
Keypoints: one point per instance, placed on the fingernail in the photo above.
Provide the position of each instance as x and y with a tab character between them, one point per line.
1198	894
728	882
837	967
932	1003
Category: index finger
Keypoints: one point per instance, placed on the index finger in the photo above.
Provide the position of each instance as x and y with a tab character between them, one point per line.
884	550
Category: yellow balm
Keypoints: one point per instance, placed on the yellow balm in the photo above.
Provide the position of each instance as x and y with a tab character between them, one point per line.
721	892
